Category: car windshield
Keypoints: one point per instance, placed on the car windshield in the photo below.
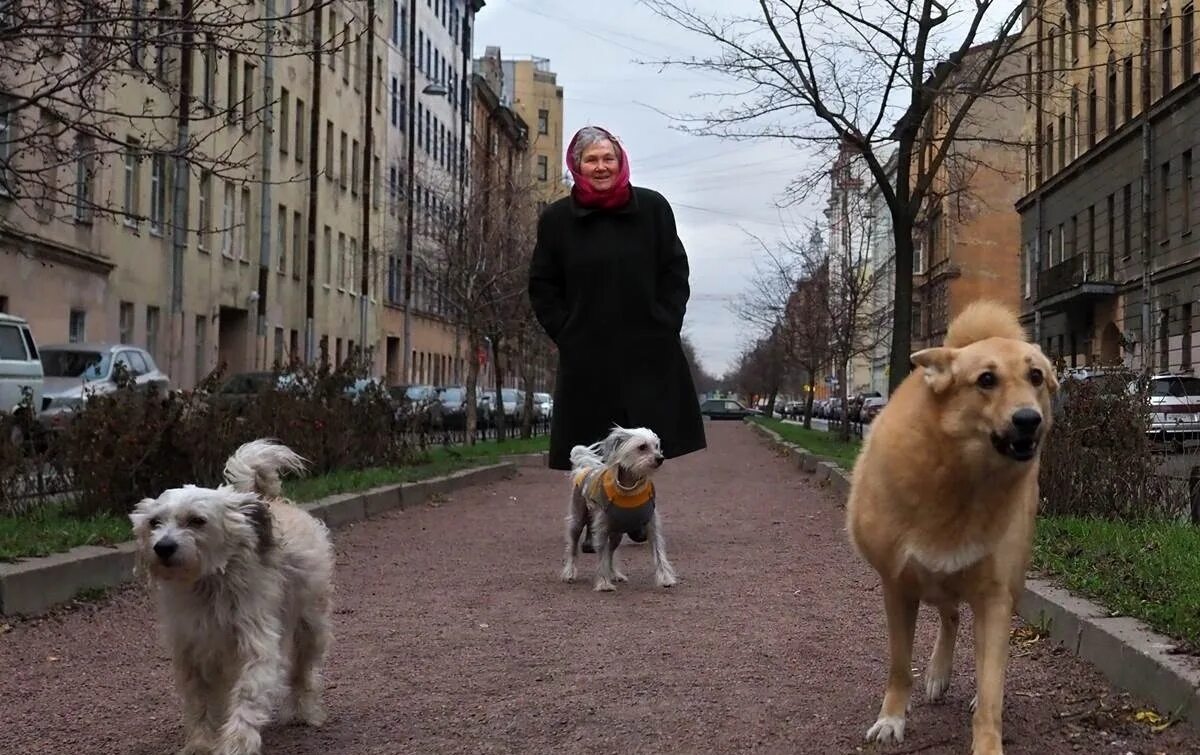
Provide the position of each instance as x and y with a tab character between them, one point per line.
510	394
1175	387
416	393
11	345
542	397
71	363
453	394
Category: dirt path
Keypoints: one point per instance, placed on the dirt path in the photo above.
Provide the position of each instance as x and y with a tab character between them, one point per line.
453	636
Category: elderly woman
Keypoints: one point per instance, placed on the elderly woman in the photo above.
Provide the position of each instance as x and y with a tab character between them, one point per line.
609	283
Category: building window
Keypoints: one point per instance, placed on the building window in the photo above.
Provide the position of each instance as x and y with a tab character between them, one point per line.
543	121
298	242
328	256
231	90
355	175
285	105
1092	22
1127	70
205	206
201	348
247	96
1110	95
1092	125
343	159
1188	197
1186	35
77	326
352	266
125	323
1050	150
208	92
152	322
1062	142
158	192
1110	252
1127	220
244	221
227	221
1164	340
1164	202
278	348
132	188
1074	150
299	130
395	101
85	178
281	231
343	272
1091	240
1168	51
1073	14
1073	242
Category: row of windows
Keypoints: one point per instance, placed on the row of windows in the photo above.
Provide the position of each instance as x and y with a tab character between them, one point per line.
1078	236
1066	136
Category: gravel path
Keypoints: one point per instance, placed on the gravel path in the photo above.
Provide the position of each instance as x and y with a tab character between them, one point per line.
453	636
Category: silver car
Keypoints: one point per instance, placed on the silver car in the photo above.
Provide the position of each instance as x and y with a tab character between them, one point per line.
75	371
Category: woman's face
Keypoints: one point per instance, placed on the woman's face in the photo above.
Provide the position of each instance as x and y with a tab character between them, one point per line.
599	164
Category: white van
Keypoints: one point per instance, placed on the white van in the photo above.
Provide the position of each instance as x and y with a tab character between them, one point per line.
20	365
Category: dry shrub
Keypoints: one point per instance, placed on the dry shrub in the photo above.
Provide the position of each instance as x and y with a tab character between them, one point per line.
128	445
1099	460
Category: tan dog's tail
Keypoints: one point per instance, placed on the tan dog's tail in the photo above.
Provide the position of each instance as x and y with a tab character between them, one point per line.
255	467
981	320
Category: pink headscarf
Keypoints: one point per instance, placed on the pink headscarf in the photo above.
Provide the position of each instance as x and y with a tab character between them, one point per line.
583	191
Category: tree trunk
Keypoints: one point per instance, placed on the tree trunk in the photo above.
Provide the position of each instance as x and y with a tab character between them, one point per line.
808	399
472	418
528	386
898	363
774	392
501	420
844	395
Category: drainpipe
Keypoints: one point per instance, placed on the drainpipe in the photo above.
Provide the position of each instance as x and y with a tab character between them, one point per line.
179	230
264	241
364	195
1147	154
314	172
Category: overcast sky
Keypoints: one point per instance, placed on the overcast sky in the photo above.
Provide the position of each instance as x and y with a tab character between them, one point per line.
721	190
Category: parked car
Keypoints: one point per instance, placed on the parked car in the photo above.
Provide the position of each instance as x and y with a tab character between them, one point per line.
1174	407
454	407
21	375
871	408
724	408
74	372
420	405
543	406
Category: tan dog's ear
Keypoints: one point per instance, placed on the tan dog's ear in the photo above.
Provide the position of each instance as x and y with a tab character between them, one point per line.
938	365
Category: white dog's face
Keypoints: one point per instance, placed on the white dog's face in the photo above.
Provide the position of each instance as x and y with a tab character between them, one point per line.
637	451
191	532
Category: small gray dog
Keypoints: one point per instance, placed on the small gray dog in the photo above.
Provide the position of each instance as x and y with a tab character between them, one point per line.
612	496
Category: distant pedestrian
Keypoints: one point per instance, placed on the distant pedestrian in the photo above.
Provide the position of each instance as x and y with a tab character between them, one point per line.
609	284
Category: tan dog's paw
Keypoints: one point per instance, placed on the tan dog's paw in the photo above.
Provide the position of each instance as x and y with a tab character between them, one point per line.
887	730
936	685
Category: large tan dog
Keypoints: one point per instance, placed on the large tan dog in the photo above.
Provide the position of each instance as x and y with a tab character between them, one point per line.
943	501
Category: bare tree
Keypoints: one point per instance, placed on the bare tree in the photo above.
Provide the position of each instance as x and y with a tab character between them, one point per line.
84	83
826	73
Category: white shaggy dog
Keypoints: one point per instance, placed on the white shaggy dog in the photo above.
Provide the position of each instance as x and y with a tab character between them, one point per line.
612	496
243	580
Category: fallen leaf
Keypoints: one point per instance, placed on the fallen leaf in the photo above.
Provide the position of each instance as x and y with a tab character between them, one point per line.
483	626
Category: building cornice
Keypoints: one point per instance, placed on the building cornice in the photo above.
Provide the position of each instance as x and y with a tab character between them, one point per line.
55	252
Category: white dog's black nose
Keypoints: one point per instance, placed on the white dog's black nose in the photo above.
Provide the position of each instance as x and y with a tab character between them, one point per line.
1026	421
658	460
165	549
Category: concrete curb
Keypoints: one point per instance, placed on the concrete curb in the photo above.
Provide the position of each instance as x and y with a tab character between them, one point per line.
1132	656
35	585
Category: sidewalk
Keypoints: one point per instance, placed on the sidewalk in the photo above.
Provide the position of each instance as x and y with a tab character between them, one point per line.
453	635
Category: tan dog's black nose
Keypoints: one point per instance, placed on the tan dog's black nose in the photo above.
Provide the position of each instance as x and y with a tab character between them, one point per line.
1026	421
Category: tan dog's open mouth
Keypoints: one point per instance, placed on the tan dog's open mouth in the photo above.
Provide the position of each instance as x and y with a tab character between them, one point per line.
1019	448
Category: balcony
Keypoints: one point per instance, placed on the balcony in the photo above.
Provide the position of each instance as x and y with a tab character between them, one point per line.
1082	279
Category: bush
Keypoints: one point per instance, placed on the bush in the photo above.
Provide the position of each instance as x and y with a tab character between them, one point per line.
127	445
1098	460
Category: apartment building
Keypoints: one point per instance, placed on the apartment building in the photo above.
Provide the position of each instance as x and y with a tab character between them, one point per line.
968	232
263	259
531	88
431	104
1110	262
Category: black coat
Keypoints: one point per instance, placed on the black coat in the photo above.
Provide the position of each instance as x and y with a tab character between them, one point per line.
611	288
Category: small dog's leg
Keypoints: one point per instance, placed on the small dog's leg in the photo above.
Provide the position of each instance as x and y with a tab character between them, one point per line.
937	676
576	518
617	575
196	709
664	573
605	545
902	625
252	697
310	642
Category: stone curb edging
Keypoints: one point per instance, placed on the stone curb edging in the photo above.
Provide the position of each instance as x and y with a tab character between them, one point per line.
1132	656
35	585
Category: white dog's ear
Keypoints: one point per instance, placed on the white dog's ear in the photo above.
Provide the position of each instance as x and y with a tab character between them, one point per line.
138	515
938	365
613	442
